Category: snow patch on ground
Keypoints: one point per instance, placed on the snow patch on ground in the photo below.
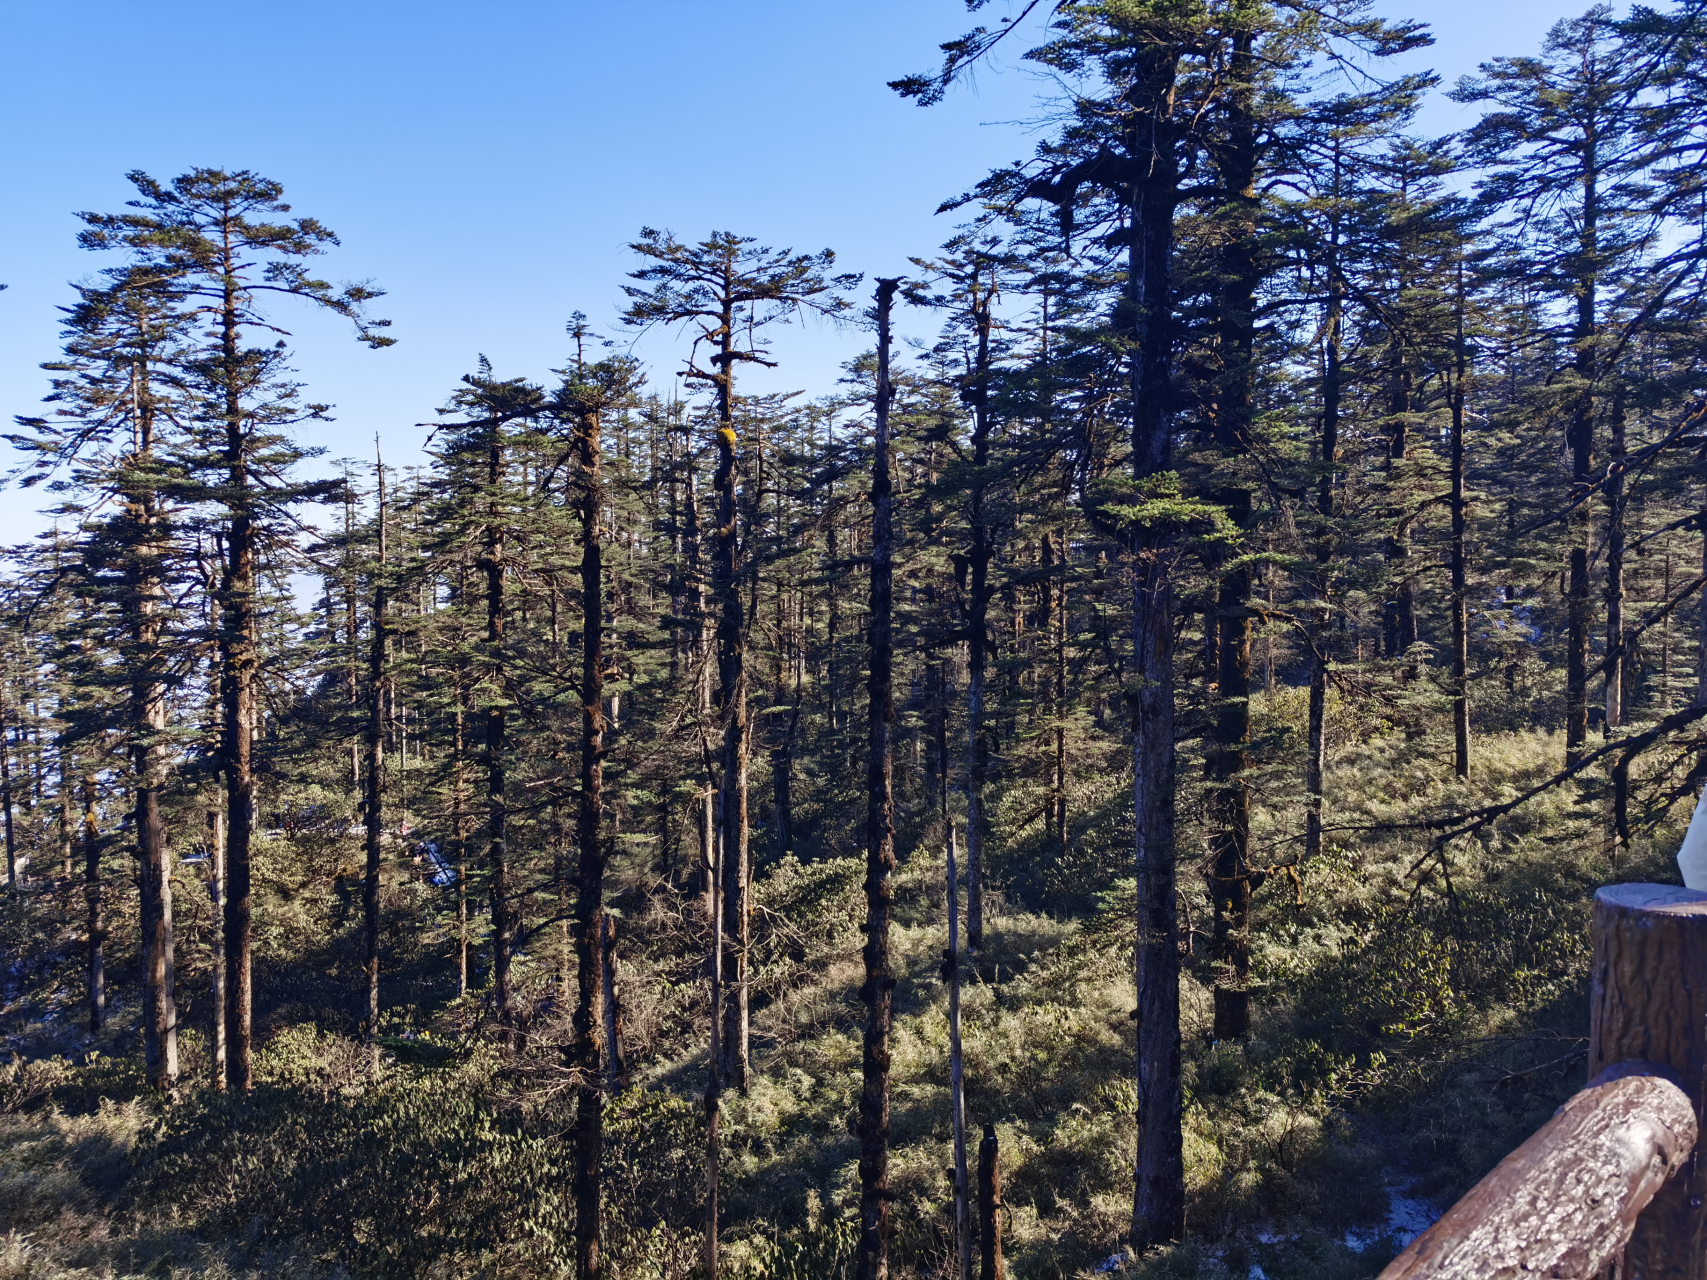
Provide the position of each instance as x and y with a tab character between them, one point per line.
1408	1216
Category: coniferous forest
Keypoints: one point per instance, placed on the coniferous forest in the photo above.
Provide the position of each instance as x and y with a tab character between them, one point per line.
1112	788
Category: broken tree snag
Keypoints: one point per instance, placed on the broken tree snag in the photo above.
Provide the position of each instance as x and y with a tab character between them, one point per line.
990	1266
1566	1201
616	1062
1648	1002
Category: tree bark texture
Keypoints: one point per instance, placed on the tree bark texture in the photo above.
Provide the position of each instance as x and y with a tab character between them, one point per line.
1229	794
1315	758
1158	1207
731	706
714	1064
239	663
877	992
616	1061
1564	1203
990	1263
215	839
1648	1002
957	1072
147	715
496	744
979	553
588	1037
1458	558
1579	442
373	793
93	889
14	882
1617	662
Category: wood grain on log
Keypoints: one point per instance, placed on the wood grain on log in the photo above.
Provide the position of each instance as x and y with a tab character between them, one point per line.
1566	1201
1648	1001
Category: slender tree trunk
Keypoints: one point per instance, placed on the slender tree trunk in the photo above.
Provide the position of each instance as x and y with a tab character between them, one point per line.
1321	633
1460	585
373	795
589	1131
237	639
979	554
616	1062
714	1063
352	632
1230	798
701	661
66	822
93	892
990	1263
1229	795
215	828
732	709
1579	440
1158	1208
14	882
147	749
459	830
957	1071
1701	616
496	747
1616	658
1399	617
832	617
878	989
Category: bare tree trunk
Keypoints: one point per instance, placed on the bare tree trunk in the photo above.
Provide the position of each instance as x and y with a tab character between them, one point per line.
979	555
714	1063
237	683
1616	658
990	1263
148	727
459	830
1232	880
66	822
1460	585
1320	635
560	879
731	706
373	796
1399	617
589	1131
239	663
1579	440
1701	616
496	747
616	1062
1158	1207
701	661
215	828
878	990
1229	794
957	1071
13	882
352	631
92	890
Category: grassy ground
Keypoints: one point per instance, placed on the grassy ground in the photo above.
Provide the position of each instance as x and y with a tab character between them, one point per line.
1405	1039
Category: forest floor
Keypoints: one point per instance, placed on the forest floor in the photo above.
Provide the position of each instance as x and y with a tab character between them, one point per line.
1404	1041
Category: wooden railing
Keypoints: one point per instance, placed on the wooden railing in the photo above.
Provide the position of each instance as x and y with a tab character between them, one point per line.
1610	1185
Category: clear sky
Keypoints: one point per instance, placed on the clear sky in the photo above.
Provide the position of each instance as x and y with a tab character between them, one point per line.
486	163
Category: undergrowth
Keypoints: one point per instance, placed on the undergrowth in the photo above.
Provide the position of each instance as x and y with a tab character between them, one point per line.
1417	1016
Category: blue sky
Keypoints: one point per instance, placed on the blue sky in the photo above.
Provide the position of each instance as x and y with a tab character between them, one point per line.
487	163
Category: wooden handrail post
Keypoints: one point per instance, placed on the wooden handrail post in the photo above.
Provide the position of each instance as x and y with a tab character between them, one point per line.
1648	1001
1564	1203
